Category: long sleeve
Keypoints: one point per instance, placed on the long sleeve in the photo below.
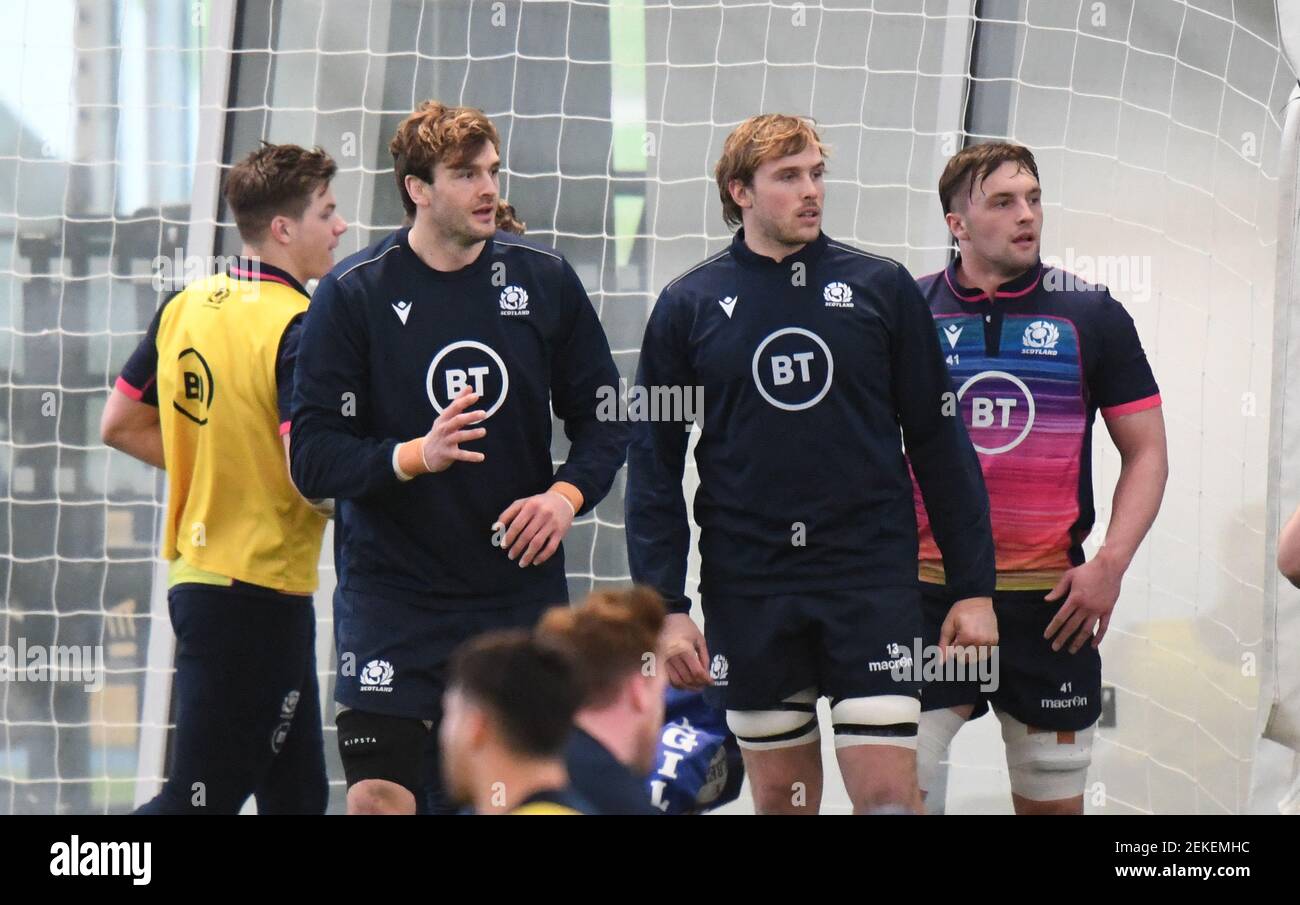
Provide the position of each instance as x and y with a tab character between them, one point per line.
940	451
581	367
330	453
658	531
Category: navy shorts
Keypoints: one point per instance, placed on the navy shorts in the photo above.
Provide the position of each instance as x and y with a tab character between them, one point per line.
842	643
1040	687
392	660
392	655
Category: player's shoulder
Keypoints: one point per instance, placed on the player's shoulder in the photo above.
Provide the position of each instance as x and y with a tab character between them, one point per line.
703	279
366	263
533	262
929	282
524	248
1076	296
195	292
864	265
556	802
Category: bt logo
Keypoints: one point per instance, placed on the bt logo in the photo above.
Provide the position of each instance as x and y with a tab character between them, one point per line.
467	363
793	368
1001	411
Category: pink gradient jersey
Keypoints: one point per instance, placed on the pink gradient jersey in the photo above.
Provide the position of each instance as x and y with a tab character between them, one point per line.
1030	369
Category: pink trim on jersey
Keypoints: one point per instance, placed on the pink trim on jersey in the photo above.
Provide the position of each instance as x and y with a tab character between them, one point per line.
1028	289
131	392
259	275
1128	408
984	296
284	428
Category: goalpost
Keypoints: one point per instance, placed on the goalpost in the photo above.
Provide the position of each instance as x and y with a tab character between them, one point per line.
1158	130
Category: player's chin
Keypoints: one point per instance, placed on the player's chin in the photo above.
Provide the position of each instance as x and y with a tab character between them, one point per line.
804	230
1024	253
320	268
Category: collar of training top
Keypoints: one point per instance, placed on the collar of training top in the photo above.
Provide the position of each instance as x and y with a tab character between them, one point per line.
484	257
1012	289
263	272
809	253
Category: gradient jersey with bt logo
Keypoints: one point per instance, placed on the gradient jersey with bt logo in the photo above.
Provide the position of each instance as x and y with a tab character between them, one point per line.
1030	369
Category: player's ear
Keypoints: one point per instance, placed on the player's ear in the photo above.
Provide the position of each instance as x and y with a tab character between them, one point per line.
639	690
281	229
478	728
418	189
956	226
740	193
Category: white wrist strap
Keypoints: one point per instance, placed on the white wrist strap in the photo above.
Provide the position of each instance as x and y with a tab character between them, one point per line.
397	469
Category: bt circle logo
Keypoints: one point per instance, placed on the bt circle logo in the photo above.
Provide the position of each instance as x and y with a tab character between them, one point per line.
793	368
467	363
1001	411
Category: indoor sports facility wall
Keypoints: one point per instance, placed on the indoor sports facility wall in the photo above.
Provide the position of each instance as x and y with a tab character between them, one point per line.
1157	126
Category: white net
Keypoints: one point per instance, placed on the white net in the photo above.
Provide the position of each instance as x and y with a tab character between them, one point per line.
97	116
1156	130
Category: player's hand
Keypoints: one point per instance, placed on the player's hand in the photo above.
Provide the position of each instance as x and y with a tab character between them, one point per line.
686	655
969	630
1090	592
453	427
534	527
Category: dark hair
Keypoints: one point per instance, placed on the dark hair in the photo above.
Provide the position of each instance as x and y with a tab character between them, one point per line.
530	688
436	133
972	165
275	180
609	634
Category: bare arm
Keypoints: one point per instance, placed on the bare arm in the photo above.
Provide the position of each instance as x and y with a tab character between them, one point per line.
1140	438
1092	589
132	427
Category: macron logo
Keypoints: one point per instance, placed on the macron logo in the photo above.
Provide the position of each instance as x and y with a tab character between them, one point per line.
403	309
729	304
103	859
953	332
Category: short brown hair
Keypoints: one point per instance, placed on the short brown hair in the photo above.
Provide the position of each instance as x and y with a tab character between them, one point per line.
971	165
275	180
756	140
610	635
435	134
529	688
